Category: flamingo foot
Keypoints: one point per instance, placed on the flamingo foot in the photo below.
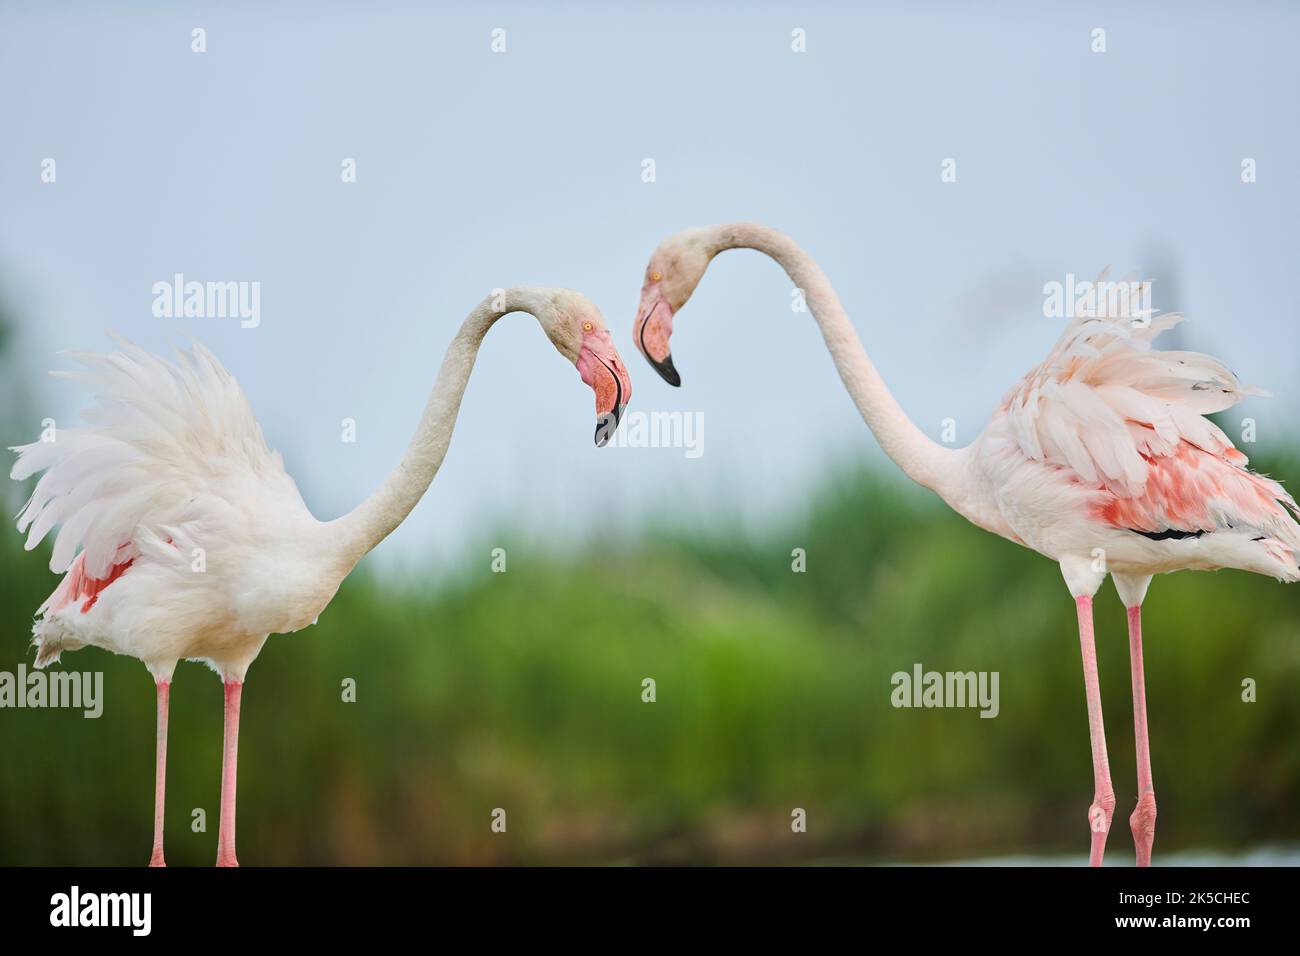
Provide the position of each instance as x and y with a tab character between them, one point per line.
1143	824
224	859
157	858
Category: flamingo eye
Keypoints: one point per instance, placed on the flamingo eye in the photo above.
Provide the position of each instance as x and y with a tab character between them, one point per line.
656	276
586	326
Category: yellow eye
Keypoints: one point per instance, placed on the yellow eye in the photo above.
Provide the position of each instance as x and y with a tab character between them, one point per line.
586	326
656	276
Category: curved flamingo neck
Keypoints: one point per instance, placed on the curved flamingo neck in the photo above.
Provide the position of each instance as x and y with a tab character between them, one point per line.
358	532
921	458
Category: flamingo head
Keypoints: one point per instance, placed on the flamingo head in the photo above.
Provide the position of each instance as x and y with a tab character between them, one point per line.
577	329
674	270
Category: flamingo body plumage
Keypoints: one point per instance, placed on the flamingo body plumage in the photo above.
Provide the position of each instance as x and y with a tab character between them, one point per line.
182	537
1100	458
1104	445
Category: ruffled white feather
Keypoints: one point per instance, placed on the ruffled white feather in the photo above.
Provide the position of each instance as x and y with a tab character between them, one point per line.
1104	401
159	436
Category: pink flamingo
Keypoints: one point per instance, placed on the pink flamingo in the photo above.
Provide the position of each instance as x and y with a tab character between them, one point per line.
1100	458
195	543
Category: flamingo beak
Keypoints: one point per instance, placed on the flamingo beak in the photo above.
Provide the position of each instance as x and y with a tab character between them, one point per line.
602	369
654	325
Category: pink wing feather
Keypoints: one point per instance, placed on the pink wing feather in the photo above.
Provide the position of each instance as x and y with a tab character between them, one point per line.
1130	419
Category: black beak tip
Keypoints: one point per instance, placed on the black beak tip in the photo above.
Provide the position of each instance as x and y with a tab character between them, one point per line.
667	371
606	425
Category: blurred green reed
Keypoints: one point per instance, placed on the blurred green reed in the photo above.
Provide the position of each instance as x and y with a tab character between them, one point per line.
523	691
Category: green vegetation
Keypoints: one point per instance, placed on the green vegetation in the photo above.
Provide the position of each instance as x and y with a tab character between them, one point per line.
523	691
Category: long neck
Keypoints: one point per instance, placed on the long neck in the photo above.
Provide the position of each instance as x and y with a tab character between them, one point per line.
359	531
921	458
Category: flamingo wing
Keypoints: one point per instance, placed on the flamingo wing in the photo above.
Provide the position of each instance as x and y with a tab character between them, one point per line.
160	437
1130	419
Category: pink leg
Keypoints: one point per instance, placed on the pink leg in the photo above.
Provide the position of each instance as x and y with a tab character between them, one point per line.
1143	820
1103	797
160	774
229	759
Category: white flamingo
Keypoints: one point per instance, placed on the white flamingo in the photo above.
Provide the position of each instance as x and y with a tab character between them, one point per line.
194	542
1100	458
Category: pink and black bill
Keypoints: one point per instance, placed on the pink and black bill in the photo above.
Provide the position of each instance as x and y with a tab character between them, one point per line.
602	369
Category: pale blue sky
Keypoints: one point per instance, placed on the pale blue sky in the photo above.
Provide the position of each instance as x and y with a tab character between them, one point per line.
478	170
